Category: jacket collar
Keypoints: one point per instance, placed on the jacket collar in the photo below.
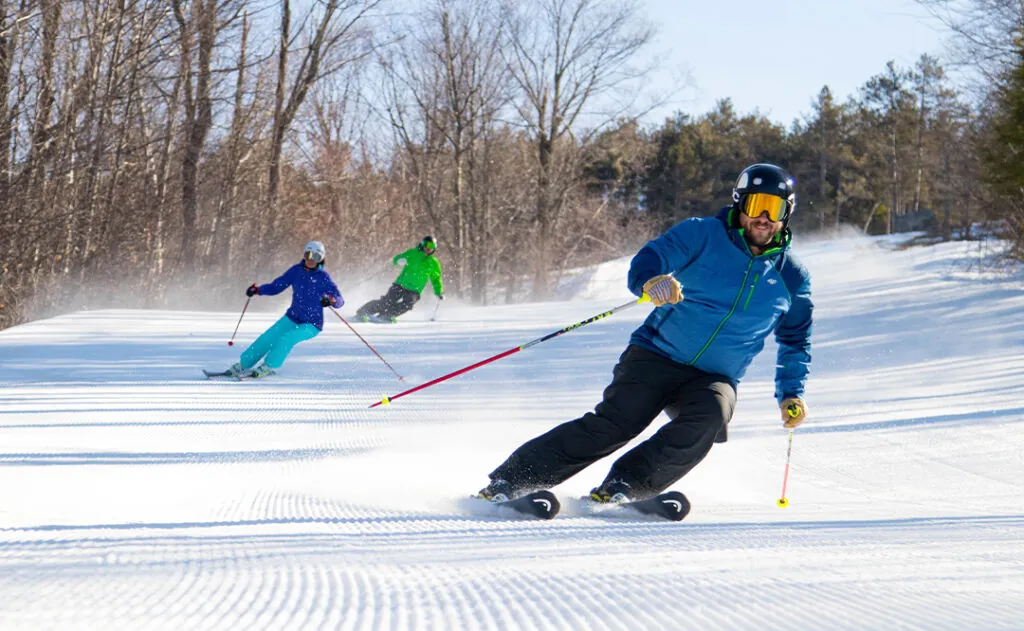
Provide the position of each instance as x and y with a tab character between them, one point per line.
319	266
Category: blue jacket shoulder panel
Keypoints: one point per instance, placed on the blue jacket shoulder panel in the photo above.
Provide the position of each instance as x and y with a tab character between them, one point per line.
672	252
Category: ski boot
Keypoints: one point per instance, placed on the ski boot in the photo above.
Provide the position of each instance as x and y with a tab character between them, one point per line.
236	370
262	370
613	491
497	491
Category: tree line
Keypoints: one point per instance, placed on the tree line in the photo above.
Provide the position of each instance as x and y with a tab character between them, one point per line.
167	153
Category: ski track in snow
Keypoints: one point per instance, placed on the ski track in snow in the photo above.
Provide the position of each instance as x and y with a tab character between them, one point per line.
136	495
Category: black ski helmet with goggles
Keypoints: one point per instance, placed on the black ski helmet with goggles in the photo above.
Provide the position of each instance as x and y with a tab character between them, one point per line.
765	187
428	242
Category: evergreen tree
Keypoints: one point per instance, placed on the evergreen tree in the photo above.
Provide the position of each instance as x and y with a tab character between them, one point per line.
1002	154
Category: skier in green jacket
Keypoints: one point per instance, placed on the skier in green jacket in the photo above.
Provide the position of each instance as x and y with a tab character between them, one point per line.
420	266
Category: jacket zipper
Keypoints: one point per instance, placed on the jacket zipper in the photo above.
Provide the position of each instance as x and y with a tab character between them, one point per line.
750	295
735	302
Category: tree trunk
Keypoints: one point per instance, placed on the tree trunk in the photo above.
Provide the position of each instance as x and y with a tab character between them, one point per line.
823	175
99	143
542	258
223	225
947	206
8	40
198	116
921	119
274	176
895	183
839	195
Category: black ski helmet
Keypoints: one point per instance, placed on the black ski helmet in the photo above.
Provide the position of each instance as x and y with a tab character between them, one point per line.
768	179
428	242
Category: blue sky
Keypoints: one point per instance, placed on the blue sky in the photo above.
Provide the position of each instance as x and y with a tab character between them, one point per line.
776	56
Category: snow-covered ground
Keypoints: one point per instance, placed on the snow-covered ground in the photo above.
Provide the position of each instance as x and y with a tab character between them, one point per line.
135	495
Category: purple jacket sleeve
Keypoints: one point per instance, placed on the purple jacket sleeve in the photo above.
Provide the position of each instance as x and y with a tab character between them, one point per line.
335	293
279	284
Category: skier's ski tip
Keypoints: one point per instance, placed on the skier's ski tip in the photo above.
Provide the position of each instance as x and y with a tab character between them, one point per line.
536	505
210	374
672	506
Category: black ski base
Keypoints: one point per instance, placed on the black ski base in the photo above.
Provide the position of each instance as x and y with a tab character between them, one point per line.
671	505
539	504
227	374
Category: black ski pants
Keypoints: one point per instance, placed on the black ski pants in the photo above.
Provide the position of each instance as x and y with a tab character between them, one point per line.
698	404
394	303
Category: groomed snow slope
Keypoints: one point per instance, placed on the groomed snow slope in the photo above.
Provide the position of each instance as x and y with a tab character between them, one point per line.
135	495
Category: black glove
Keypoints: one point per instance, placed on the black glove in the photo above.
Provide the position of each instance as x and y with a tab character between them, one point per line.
327	301
440	296
252	290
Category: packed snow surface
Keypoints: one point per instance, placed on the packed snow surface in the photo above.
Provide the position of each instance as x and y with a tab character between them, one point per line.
136	495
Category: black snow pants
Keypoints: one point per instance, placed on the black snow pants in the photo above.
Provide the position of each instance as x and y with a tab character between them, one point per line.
394	303
698	404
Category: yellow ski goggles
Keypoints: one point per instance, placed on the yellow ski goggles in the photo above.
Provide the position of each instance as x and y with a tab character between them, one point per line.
756	204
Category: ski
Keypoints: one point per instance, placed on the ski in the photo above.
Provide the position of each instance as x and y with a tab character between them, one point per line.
672	506
227	374
378	320
211	374
539	505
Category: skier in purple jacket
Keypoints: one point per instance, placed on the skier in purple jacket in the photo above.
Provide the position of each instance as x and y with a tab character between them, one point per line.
312	291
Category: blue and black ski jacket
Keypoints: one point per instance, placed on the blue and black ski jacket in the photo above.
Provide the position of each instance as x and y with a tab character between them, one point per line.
732	301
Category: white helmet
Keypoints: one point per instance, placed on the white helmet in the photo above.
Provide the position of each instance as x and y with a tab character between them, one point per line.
315	251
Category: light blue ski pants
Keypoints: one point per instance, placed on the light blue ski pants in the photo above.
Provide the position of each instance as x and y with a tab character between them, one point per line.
276	342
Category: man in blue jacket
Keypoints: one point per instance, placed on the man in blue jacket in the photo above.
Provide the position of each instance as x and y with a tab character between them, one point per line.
313	290
741	283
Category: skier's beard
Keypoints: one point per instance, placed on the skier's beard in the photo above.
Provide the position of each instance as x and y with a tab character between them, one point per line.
760	236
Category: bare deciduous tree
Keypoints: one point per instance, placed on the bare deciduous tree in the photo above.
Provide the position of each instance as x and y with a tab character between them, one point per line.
450	82
984	32
337	40
565	55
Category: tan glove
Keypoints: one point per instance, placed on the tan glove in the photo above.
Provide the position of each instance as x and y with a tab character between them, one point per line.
663	289
794	411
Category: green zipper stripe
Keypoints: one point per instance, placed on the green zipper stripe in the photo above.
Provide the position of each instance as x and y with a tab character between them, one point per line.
751	294
735	302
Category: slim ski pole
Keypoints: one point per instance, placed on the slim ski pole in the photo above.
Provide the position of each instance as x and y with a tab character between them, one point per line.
231	342
436	306
783	502
400	377
511	351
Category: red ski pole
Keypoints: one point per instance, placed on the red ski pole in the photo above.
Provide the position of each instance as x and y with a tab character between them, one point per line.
400	377
511	351
231	342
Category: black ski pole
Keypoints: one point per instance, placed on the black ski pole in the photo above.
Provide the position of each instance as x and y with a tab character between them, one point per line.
400	377
231	342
